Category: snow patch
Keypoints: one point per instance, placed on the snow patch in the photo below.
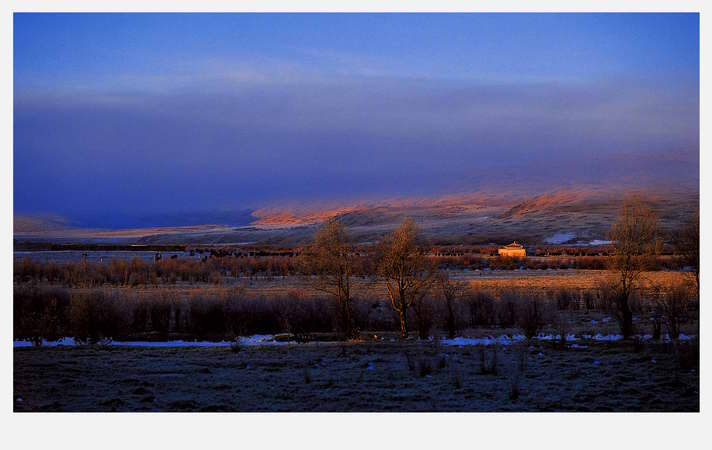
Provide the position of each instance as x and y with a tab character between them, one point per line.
248	341
61	342
270	340
560	238
505	340
177	343
603	338
261	340
600	242
501	340
557	337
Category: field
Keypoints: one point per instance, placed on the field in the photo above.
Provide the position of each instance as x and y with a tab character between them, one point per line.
595	370
367	376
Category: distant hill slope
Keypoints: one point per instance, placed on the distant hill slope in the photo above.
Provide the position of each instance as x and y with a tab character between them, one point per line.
583	214
572	214
39	223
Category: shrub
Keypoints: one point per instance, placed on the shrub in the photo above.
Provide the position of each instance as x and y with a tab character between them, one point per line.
374	315
675	304
657	319
589	300
303	315
561	325
423	309
40	314
507	307
608	297
97	315
530	317
481	307
207	315
564	299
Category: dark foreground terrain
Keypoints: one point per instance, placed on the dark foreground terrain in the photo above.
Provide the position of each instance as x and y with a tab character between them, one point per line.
364	376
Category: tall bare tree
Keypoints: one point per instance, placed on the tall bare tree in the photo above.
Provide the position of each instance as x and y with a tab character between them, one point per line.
451	290
688	246
407	272
330	263
635	237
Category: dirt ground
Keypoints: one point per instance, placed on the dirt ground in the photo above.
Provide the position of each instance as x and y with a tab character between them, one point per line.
360	376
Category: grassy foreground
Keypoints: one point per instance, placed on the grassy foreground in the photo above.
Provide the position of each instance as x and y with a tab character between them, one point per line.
361	376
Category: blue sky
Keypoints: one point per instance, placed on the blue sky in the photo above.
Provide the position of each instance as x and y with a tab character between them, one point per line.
137	114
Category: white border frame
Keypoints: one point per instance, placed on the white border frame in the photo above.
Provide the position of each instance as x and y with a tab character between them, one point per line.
341	431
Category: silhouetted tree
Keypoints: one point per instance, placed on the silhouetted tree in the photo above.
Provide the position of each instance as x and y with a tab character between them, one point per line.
330	263
688	246
407	272
635	240
451	291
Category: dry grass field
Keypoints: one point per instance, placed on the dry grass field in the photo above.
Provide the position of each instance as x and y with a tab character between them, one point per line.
540	281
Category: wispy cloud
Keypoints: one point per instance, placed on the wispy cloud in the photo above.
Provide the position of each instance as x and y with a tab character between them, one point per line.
221	134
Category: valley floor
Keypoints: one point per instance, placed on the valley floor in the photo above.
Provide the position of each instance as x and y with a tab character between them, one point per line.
360	376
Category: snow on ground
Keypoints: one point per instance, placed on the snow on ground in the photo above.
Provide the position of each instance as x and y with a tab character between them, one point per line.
502	340
67	341
178	343
249	341
509	340
261	339
557	337
603	338
269	340
560	238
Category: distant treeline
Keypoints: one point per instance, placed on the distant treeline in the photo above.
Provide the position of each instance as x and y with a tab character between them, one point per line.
50	246
220	251
215	270
539	250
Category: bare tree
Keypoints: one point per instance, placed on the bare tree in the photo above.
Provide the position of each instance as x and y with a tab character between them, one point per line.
451	291
330	263
635	240
688	246
403	265
673	305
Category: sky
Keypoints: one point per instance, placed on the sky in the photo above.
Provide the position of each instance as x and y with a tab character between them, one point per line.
142	119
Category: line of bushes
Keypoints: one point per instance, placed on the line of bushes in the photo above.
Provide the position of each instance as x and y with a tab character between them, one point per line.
126	314
100	313
474	262
137	272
